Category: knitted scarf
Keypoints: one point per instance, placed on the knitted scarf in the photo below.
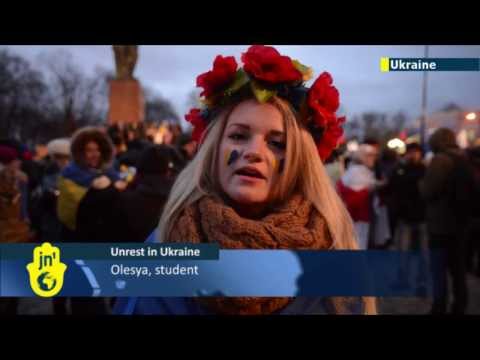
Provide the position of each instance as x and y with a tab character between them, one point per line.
295	225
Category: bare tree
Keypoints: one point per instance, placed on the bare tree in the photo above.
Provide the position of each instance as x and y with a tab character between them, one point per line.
22	91
78	99
158	108
37	105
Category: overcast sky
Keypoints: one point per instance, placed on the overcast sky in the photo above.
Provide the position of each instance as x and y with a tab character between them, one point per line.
171	71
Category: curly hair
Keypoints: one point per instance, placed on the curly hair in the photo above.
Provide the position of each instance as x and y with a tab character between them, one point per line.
91	134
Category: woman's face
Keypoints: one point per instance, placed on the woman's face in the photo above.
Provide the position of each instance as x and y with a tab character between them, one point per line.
370	158
92	155
251	153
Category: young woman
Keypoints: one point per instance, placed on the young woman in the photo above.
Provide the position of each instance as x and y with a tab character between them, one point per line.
87	179
257	180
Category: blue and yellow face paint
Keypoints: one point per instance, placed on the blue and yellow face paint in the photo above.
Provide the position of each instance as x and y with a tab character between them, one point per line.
231	156
278	165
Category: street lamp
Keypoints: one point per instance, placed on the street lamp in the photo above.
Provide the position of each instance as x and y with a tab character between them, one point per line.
423	119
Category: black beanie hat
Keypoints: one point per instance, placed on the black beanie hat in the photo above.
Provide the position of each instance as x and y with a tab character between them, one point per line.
157	160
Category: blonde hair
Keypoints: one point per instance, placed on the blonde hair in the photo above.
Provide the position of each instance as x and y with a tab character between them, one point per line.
199	179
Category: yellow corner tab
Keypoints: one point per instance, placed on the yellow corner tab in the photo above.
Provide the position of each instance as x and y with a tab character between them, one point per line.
384	64
46	271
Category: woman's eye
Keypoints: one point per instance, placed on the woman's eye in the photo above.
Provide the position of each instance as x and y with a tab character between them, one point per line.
278	144
237	136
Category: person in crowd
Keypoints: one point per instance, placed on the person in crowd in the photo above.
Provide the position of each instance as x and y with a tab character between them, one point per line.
447	188
473	240
164	135
120	148
135	144
186	148
138	209
257	180
356	188
59	157
386	219
408	205
87	187
335	166
14	226
28	174
89	178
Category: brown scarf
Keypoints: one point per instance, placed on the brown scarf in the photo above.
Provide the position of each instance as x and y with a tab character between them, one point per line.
12	228
296	225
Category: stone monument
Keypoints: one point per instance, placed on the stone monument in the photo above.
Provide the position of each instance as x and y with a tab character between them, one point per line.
126	101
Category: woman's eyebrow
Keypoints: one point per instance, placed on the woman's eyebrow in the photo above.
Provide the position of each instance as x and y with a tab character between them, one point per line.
277	132
247	127
243	126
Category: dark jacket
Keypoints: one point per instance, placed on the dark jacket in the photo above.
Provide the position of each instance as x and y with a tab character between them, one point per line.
474	158
447	186
97	217
46	205
406	201
139	209
108	215
132	215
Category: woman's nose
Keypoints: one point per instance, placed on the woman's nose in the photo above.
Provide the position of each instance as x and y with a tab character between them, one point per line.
254	151
253	157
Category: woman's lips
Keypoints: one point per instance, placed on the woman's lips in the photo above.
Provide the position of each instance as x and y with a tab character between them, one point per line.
249	179
250	171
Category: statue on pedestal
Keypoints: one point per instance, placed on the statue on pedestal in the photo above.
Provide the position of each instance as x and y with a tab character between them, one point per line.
125	60
126	101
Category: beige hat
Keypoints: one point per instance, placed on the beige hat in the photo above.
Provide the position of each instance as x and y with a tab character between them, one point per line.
59	147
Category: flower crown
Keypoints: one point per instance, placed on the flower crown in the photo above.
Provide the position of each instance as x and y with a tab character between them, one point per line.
266	73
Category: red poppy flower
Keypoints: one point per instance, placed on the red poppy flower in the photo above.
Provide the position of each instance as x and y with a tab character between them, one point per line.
222	74
198	123
265	63
323	99
331	138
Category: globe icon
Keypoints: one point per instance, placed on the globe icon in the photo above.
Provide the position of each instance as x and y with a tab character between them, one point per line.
46	281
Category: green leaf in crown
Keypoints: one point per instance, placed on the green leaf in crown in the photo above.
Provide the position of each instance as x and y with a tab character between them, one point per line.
262	94
306	71
209	102
241	78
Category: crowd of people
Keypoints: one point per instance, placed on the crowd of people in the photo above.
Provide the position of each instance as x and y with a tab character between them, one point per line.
65	195
110	185
250	175
417	201
100	185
